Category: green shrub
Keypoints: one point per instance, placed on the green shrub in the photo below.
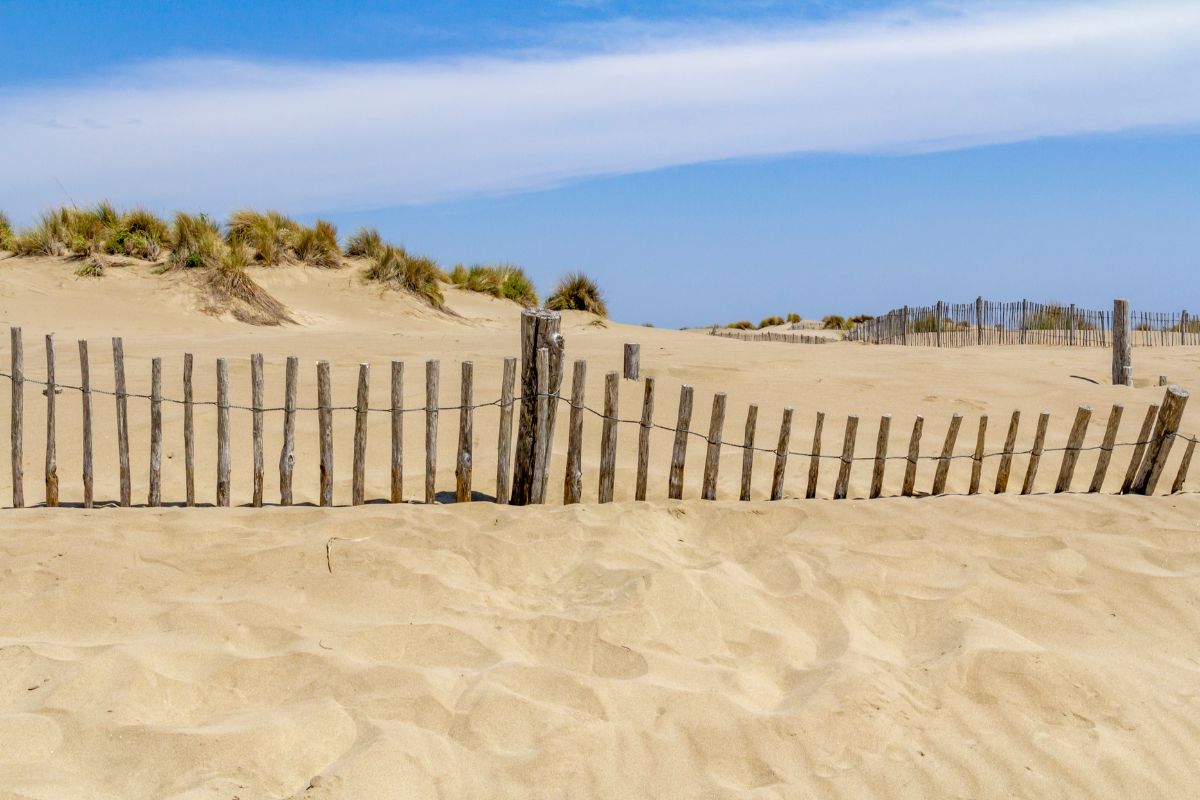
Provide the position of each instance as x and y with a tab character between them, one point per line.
515	285
318	245
793	318
769	321
415	274
575	291
365	243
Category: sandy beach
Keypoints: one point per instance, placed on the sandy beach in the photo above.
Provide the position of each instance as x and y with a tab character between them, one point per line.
992	646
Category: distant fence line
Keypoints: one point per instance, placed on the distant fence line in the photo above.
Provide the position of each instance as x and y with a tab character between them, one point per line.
986	322
1147	464
770	336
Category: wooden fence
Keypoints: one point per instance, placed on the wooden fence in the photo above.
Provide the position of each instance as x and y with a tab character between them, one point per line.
1146	466
986	322
771	336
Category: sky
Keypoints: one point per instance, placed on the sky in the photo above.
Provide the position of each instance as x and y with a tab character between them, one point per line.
704	162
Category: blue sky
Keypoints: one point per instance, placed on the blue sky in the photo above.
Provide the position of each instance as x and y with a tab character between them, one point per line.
704	161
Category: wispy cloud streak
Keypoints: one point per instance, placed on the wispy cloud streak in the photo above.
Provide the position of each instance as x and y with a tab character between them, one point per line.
216	134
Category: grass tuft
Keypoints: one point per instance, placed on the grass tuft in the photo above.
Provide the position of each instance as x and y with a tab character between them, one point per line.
6	232
365	243
741	325
768	322
577	292
318	245
195	242
793	318
418	275
269	236
232	290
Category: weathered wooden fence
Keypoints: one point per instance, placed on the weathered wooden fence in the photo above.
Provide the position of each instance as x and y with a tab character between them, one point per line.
1144	471
771	336
986	322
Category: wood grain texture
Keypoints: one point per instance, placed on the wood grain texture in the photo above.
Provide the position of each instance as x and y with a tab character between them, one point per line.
1006	458
1106	448
573	477
1066	471
122	401
943	466
1035	457
842	487
914	455
646	425
51	444
154	497
358	466
432	369
814	458
881	448
679	448
325	432
189	432
464	466
224	466
608	438
256	430
85	394
287	452
712	456
781	454
977	457
396	405
748	451
17	428
504	439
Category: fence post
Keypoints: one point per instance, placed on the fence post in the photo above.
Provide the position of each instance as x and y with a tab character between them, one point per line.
914	454
504	442
287	454
712	457
325	423
814	458
938	314
154	498
1183	323
1169	416
679	450
51	444
122	418
1184	464
1071	325
18	408
1106	448
223	458
466	430
943	467
358	467
1010	443
1122	363
1024	319
633	360
608	438
189	432
1071	455
643	465
573	478
85	385
256	426
539	329
1039	444
977	459
881	444
781	454
432	368
1139	449
397	420
748	451
542	420
841	488
979	320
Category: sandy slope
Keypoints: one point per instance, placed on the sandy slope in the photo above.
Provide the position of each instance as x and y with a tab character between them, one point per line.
951	647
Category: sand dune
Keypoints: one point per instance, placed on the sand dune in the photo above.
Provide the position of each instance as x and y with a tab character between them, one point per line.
969	647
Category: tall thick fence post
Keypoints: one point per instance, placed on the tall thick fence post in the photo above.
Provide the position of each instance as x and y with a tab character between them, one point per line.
18	421
51	444
1122	362
122	419
679	449
504	439
85	385
647	424
287	453
542	422
1170	414
223	457
539	329
325	425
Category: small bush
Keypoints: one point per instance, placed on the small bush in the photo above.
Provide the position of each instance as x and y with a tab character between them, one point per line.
770	321
195	242
365	243
793	318
6	232
834	322
415	274
741	325
515	285
318	245
577	292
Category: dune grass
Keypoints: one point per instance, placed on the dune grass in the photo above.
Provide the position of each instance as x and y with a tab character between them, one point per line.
232	290
418	275
6	232
318	245
365	243
793	318
195	241
268	236
575	291
768	322
741	325
505	281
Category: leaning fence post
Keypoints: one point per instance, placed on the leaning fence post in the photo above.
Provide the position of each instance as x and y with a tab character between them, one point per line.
223	459
1035	457
1184	464
189	433
122	418
914	453
881	446
1169	416
1106	448
464	467
781	454
51	444
287	453
1139	449
712	457
943	467
647	423
1071	455
325	424
573	478
85	385
358	469
431	422
608	438
256	427
814	457
154	498
504	439
1010	442
1122	362
18	408
748	451
679	450
977	459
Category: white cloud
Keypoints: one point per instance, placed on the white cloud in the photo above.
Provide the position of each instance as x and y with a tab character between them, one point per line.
217	134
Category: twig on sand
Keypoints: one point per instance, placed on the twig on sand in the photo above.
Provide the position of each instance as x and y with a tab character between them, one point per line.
329	542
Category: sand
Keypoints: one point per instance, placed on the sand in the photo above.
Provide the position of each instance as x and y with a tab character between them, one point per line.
958	646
